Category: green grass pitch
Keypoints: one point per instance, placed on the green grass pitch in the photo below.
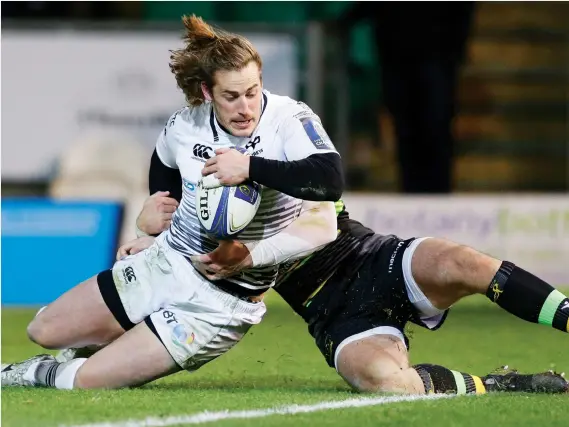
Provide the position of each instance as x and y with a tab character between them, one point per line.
277	364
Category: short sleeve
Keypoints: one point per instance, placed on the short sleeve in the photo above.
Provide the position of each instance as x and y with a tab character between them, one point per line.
165	144
303	134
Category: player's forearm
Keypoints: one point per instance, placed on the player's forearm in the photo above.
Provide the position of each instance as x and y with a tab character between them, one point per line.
160	178
319	177
314	228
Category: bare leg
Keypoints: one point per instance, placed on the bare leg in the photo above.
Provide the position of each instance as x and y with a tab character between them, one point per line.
78	318
379	364
446	271
135	358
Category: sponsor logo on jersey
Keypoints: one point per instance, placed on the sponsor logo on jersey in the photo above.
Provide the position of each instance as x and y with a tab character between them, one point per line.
190	186
317	134
306	111
170	122
253	143
202	152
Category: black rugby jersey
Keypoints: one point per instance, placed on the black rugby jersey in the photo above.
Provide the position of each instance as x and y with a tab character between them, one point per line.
298	281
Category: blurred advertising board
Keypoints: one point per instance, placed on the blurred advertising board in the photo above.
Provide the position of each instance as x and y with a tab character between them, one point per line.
50	246
529	230
60	86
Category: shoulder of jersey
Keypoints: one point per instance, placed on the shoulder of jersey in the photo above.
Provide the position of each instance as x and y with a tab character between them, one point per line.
188	116
282	108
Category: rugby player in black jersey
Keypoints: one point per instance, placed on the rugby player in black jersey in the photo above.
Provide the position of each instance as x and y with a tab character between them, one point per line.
358	293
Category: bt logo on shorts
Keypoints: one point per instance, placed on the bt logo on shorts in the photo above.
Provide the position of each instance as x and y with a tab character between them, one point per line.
202	152
169	316
129	275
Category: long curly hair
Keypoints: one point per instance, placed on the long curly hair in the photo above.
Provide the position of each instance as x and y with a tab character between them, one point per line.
207	50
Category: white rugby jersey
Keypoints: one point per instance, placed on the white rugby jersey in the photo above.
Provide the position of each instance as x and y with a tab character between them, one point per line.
287	130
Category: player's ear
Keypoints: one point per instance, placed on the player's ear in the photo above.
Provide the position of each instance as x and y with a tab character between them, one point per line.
206	92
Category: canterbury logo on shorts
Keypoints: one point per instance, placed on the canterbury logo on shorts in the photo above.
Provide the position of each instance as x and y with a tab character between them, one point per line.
129	275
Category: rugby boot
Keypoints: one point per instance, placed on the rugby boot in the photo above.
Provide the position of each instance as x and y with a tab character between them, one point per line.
13	373
76	353
510	380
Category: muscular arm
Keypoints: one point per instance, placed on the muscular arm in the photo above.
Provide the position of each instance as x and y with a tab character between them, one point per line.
319	177
314	228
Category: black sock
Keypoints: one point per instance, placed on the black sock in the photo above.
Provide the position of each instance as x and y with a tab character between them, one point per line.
528	297
438	379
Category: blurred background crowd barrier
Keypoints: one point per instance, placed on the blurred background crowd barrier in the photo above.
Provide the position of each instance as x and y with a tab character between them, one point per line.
452	119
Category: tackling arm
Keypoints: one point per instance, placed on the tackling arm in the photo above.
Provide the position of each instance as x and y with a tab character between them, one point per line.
314	228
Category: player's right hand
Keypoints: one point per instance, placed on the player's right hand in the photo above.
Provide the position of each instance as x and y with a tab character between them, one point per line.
134	246
156	214
228	259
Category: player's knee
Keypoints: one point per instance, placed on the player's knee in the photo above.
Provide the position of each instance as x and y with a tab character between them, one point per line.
42	334
375	378
457	264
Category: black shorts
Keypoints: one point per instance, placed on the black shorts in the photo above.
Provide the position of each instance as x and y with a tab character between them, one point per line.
373	296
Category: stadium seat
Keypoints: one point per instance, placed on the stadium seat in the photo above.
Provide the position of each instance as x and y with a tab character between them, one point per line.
103	168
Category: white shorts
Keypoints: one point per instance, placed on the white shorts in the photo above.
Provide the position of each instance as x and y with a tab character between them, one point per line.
429	314
195	320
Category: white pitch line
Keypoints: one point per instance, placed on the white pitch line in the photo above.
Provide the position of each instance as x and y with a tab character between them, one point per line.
208	417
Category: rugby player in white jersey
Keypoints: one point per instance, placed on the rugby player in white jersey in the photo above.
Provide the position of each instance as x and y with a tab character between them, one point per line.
154	312
358	292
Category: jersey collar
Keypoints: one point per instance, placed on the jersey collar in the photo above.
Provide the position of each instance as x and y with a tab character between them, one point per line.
215	125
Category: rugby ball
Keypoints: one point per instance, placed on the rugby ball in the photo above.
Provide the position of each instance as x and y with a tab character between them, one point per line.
225	211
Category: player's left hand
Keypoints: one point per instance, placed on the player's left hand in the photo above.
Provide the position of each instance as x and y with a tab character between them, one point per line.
227	260
134	246
229	166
